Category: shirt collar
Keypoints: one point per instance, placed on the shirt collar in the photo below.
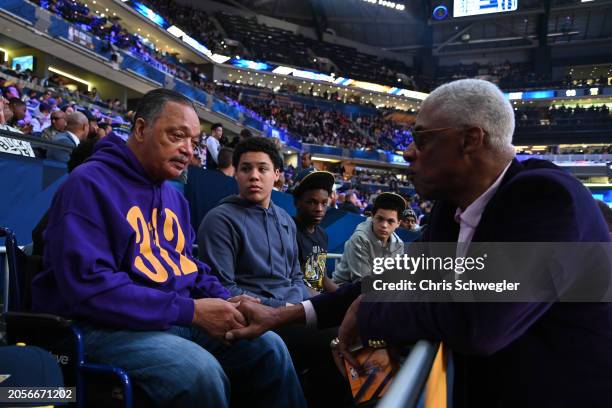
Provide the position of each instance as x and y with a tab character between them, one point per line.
471	215
75	139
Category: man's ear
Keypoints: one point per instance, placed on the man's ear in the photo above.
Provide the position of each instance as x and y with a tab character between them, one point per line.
139	126
473	139
276	175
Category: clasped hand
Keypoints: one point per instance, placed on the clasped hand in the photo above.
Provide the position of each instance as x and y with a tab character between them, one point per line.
217	316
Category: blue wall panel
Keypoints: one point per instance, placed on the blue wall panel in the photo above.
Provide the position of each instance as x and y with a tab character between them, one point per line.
28	185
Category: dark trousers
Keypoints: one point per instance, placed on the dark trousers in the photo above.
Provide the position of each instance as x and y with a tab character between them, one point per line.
322	383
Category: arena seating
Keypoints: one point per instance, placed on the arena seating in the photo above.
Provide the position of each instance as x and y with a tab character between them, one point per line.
115	36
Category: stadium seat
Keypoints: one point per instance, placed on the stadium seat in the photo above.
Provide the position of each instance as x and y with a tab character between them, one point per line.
97	385
28	366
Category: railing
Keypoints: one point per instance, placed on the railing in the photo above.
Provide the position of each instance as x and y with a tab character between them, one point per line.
408	383
565	158
5	278
334	258
28	146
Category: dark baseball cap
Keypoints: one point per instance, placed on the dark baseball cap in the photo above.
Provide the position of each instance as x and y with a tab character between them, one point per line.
314	179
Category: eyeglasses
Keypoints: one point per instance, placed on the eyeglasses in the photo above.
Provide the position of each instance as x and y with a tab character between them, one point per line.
420	137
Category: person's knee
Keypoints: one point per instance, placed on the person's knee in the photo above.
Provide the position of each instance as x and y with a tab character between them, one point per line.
197	376
275	349
203	370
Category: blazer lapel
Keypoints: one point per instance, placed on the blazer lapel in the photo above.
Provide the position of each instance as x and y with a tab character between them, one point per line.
443	227
487	228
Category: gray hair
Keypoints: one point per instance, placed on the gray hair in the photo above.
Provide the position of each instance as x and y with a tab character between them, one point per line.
152	103
474	102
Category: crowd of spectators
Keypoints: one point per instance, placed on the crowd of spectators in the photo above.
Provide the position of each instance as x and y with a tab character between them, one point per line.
260	42
361	201
275	45
309	124
563	116
333	128
197	23
507	75
115	36
314	125
245	37
387	178
512	76
235	89
31	109
570	149
56	83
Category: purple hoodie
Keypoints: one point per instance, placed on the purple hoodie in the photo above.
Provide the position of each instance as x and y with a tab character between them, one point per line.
118	248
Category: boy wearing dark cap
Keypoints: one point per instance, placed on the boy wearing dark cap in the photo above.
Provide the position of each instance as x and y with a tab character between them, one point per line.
311	197
409	220
373	238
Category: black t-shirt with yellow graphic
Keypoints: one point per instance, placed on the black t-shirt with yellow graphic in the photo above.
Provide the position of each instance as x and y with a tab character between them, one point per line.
312	254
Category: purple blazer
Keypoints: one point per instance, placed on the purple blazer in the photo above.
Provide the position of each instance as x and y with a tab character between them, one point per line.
508	354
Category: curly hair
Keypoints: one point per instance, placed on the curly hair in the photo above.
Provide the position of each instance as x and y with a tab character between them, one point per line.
258	144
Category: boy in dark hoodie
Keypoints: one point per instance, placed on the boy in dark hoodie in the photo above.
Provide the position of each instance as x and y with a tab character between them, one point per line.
117	258
250	244
248	241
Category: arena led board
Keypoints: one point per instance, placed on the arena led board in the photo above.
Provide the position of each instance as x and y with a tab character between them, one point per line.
464	8
150	14
243	63
26	62
603	195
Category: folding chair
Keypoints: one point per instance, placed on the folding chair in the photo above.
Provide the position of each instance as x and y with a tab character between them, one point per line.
97	385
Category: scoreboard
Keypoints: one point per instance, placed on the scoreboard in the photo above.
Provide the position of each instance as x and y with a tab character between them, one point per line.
463	8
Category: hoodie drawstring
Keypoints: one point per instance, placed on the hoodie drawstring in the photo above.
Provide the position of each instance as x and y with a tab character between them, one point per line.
280	234
268	240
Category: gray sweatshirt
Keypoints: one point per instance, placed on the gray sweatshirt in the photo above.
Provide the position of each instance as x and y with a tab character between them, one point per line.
360	251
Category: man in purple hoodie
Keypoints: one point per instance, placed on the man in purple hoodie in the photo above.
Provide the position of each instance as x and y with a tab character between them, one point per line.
118	259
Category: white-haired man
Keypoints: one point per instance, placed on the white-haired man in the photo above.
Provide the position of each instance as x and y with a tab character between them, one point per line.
538	353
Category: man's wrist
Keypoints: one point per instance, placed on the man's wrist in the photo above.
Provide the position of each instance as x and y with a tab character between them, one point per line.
287	315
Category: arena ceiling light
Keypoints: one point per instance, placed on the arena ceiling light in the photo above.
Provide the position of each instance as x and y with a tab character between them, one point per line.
389	4
440	12
74	78
324	159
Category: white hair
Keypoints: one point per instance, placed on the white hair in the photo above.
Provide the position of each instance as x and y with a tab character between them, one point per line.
474	102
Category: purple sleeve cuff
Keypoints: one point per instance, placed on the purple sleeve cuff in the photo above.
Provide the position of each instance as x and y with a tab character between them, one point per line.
225	294
186	308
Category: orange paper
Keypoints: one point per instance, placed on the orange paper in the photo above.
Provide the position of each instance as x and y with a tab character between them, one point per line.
373	379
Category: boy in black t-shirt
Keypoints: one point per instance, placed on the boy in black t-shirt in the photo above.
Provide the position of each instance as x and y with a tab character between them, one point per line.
309	347
311	197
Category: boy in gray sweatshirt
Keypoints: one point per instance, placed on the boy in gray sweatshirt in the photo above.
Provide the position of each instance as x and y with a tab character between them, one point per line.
373	238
